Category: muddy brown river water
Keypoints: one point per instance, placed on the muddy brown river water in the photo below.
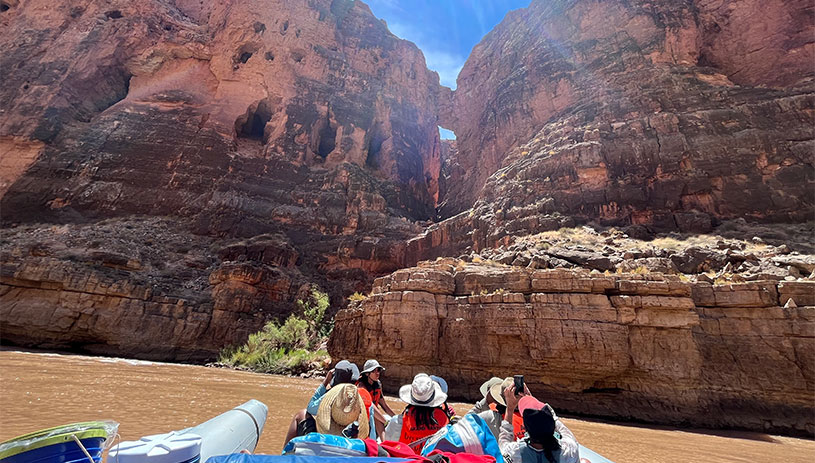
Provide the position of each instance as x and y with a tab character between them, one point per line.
42	390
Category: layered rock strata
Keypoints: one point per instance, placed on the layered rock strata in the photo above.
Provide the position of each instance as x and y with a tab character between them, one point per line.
648	347
668	114
226	121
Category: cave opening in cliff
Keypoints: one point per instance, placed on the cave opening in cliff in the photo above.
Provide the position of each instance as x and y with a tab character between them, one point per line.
326	135
4	6
252	124
375	142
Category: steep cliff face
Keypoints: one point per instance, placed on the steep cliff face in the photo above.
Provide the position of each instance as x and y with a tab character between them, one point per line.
303	120
668	114
632	346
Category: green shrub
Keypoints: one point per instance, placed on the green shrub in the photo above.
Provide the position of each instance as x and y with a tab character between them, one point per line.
288	348
314	309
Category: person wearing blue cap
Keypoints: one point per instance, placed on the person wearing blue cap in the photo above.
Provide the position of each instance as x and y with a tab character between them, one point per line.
344	372
446	407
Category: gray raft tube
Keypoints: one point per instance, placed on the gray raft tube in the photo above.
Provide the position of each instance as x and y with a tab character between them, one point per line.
233	431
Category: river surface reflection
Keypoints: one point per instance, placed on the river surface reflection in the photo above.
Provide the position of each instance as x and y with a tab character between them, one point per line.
42	390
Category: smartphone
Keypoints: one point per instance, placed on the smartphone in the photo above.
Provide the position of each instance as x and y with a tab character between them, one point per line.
519	384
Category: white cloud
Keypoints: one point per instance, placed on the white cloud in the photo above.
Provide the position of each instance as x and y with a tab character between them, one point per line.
447	64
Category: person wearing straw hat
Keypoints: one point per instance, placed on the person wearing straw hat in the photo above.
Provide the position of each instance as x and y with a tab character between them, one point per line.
342	413
498	391
548	439
302	422
448	409
423	415
490	410
483	405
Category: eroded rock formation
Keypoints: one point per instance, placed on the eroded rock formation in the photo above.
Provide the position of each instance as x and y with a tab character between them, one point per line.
669	114
647	347
231	122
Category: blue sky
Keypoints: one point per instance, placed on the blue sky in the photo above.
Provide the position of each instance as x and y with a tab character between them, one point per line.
445	30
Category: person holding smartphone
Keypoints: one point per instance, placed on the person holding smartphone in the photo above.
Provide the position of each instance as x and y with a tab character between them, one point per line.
548	439
497	391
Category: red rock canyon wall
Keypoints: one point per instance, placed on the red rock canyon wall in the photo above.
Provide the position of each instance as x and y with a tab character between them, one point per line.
629	346
668	114
274	144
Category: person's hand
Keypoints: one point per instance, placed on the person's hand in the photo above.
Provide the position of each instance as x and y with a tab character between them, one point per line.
511	399
328	377
526	390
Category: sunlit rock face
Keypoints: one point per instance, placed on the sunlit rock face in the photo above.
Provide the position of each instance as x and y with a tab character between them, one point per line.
669	114
647	347
303	121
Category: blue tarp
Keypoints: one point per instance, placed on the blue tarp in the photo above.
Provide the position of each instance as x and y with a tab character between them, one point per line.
243	458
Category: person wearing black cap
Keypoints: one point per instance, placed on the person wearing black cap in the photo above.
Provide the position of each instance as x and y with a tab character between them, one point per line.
548	439
344	372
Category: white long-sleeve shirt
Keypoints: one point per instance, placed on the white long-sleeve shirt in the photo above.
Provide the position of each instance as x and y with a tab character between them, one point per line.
512	449
394	429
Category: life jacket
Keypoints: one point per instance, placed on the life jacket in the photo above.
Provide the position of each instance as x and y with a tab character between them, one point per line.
411	431
366	396
375	390
518	428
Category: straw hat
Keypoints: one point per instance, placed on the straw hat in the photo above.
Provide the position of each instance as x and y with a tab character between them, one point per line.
339	407
497	390
485	388
422	392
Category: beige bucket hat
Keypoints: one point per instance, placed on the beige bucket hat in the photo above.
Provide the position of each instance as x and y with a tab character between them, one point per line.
497	390
485	388
341	406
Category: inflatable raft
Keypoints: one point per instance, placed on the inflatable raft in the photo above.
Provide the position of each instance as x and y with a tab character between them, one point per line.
232	432
223	439
72	443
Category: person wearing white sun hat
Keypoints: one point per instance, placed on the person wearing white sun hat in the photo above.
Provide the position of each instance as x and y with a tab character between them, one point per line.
423	415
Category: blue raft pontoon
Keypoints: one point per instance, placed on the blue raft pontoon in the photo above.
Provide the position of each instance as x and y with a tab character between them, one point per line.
71	443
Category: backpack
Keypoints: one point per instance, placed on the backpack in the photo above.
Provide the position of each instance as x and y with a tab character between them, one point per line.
326	445
470	434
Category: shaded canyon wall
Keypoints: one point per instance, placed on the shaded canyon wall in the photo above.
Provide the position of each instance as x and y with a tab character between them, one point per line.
184	170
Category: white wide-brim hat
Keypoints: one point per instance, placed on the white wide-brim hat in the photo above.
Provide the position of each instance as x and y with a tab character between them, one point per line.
422	392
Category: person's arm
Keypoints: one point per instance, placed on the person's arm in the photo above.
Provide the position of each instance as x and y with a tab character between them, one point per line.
394	429
479	407
569	449
507	434
493	420
385	407
314	403
510	449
